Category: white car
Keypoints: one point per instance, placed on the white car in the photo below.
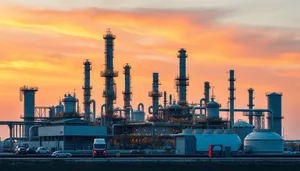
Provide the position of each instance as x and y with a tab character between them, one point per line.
61	154
42	150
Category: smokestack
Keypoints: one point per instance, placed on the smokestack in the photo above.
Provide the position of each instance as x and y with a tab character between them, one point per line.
109	93
231	98
170	100
127	93
165	99
155	94
251	105
206	91
87	90
182	81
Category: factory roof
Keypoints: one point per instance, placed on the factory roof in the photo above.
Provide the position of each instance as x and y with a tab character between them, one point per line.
242	124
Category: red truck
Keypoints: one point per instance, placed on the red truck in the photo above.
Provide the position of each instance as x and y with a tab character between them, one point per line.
99	147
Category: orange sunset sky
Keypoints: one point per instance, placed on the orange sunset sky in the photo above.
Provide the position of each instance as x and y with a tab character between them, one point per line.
44	43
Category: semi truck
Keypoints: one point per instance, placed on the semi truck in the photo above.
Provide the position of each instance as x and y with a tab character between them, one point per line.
99	147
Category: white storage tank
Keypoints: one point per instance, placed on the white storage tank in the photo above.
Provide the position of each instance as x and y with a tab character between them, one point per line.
197	131
138	116
212	109
263	141
59	108
242	129
218	131
70	103
227	140
208	131
187	131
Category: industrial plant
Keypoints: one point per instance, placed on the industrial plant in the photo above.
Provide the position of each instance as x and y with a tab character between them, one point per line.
176	126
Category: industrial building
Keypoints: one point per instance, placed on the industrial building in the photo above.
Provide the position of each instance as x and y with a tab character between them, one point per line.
171	124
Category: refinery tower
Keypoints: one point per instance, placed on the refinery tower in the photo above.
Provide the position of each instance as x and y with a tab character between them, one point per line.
109	93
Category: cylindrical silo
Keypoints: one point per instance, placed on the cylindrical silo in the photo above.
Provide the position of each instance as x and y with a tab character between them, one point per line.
59	108
138	116
70	103
213	109
275	119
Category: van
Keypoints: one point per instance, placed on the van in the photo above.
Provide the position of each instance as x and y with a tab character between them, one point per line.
99	147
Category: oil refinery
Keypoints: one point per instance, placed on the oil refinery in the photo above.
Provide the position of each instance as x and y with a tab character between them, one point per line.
175	126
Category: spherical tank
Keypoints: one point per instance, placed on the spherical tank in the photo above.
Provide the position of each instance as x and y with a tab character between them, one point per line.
213	109
227	140
70	103
263	142
242	129
138	116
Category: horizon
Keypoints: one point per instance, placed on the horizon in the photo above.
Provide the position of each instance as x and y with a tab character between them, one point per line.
45	43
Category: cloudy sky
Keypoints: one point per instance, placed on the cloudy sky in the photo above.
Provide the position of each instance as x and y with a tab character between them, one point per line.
43	43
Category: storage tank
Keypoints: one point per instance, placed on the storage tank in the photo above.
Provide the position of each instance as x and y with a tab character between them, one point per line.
242	129
138	116
263	141
70	103
197	131
208	131
213	109
187	131
227	140
218	131
275	105
59	108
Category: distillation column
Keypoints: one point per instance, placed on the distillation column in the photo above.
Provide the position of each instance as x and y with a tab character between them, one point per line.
231	97
182	81
251	105
206	91
109	92
87	89
29	105
155	94
127	93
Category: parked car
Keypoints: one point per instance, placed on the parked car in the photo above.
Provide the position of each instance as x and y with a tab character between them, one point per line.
42	150
21	150
31	150
61	154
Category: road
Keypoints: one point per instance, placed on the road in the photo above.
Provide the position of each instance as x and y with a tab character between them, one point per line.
159	159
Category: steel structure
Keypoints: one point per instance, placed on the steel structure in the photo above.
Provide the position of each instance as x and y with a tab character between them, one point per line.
29	106
231	96
87	90
251	105
155	94
109	93
127	93
182	81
